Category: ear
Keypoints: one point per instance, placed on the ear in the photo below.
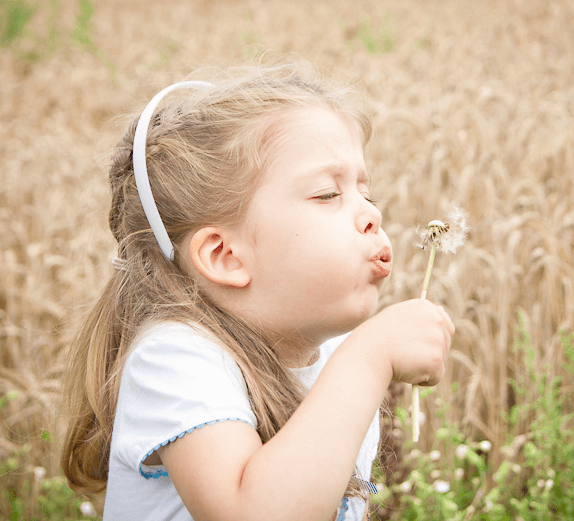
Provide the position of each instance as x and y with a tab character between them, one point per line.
214	256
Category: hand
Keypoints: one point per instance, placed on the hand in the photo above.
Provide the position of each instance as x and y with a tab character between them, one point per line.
414	336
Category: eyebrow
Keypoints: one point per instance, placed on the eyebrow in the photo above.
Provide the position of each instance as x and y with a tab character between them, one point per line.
336	170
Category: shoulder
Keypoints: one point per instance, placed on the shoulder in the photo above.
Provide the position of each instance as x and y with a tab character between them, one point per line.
174	336
171	358
177	378
181	346
331	345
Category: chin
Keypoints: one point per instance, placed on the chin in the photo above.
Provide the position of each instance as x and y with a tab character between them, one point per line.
356	319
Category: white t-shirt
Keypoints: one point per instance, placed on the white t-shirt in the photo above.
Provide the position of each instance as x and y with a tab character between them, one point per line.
176	380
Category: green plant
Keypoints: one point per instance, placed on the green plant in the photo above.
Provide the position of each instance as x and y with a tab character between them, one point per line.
31	496
14	16
456	481
81	32
377	39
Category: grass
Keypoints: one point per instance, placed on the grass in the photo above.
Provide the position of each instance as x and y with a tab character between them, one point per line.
480	115
15	15
459	479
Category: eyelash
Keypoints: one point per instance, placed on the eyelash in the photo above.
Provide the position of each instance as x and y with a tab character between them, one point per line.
332	195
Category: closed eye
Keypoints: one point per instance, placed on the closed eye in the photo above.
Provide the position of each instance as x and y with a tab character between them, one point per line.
326	197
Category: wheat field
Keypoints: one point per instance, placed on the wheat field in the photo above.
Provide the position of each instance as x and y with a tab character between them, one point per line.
474	106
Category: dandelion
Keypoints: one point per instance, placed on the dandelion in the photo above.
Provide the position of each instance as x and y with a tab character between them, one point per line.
87	509
441	486
434	455
406	487
447	237
39	474
414	454
461	451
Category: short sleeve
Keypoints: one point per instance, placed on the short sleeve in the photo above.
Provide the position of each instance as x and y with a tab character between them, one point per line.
175	380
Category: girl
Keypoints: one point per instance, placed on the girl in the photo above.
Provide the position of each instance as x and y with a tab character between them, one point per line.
215	378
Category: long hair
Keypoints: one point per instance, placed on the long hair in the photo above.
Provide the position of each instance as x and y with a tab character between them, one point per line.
204	158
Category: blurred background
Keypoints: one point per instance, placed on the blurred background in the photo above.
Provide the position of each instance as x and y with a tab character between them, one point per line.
474	106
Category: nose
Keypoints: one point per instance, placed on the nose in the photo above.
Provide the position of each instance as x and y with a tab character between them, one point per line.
368	218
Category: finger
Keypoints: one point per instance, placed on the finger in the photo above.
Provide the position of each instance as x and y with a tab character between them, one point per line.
447	344
447	320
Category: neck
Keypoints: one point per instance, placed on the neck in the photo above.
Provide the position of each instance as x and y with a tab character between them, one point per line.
294	349
296	353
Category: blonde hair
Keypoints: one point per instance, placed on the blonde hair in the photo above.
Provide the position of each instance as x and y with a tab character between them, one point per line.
204	159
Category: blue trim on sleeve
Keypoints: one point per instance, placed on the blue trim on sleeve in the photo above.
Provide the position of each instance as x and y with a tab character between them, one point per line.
343	509
163	473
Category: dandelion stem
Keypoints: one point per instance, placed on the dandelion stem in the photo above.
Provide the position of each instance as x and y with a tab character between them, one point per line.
428	273
415	390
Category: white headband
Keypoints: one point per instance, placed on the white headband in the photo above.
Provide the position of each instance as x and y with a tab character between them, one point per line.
140	169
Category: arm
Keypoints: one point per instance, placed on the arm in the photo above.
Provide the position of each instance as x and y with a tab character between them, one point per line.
224	473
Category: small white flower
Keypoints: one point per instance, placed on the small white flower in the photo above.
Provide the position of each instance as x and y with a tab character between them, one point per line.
485	446
415	453
549	484
552	473
459	473
541	483
406	487
489	504
516	468
435	474
461	451
441	486
87	509
39	474
434	455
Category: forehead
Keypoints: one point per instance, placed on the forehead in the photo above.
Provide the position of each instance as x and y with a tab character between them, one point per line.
303	142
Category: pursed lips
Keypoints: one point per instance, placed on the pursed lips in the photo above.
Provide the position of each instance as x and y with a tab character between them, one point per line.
382	263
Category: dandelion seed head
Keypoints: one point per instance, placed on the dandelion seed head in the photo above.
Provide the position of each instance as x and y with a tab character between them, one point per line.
461	451
406	487
441	486
88	509
39	473
447	236
434	455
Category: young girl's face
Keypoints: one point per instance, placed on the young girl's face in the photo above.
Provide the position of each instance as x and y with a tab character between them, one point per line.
319	254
